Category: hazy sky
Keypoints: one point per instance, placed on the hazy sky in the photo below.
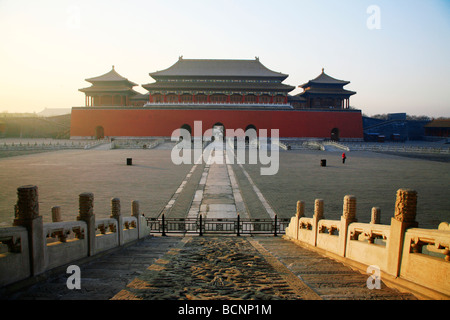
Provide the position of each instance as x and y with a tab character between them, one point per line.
396	53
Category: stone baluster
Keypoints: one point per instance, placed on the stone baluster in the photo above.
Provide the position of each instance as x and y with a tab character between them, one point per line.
376	216
348	216
135	212
404	218
299	213
27	215
318	215
117	214
56	214
86	214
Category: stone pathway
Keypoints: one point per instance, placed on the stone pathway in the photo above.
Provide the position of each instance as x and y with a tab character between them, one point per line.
216	268
262	268
212	268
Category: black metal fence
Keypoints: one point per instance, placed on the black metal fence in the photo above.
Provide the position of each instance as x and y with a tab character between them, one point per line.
203	226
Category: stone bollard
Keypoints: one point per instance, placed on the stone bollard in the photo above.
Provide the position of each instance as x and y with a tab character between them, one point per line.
318	215
404	218
376	216
135	212
86	214
348	216
116	213
27	215
56	214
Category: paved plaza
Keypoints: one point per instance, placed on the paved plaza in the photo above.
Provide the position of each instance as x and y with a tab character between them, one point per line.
219	267
227	189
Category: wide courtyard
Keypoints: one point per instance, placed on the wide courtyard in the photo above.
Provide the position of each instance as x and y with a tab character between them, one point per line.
153	179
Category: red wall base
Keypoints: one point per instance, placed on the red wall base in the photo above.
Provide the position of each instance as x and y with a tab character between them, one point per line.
143	122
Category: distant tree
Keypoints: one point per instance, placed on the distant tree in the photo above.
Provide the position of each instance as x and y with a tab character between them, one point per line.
418	118
383	116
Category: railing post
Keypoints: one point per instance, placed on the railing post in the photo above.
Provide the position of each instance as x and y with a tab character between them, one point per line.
86	214
376	215
27	216
135	212
318	215
348	216
163	226
117	214
201	223
56	214
238	225
300	213
405	217
276	220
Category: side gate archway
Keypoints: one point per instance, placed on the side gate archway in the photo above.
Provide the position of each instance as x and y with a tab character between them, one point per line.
335	134
99	132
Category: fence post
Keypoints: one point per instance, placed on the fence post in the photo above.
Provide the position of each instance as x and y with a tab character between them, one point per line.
163	226
201	223
348	216
86	214
27	215
405	217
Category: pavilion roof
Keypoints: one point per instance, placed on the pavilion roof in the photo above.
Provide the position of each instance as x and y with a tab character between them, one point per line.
111	76
108	89
327	91
324	78
218	68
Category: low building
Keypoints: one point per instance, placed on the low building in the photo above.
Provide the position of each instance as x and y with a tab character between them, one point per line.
438	128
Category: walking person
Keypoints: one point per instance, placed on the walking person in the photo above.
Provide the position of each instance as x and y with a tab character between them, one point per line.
344	157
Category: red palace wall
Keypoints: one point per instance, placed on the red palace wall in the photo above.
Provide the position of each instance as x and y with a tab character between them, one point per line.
143	122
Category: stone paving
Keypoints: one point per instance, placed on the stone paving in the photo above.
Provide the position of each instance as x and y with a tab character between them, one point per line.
102	277
212	268
209	267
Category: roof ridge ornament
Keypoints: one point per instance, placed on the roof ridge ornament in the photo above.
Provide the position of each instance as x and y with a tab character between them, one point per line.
257	58
113	67
323	70
180	57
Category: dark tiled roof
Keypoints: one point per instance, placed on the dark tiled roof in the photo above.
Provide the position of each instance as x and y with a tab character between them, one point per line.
323	78
112	89
218	68
444	123
325	91
111	76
